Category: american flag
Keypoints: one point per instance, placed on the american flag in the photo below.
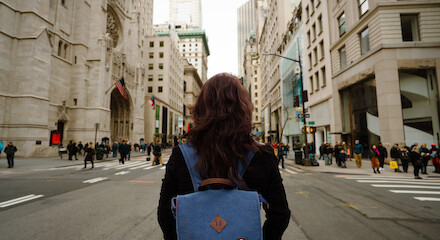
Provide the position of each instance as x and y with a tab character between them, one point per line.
121	87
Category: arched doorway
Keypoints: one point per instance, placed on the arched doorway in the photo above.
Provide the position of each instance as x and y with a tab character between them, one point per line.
121	119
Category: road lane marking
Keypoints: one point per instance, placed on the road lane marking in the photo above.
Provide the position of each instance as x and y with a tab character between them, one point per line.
130	165
118	166
138	181
415	192
296	169
163	167
19	200
404	186
122	173
405	182
150	167
141	166
289	171
430	199
95	180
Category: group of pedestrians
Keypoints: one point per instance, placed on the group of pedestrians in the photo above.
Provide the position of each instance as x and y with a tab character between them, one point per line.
339	151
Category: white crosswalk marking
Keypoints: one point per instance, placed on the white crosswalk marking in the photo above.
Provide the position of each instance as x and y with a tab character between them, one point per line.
419	187
141	166
19	200
163	167
95	180
431	199
290	171
122	173
130	165
150	167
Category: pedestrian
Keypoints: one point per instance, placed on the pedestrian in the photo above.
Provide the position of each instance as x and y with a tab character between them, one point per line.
404	158
321	151
61	150
149	148
90	155
426	155
80	148
374	157
416	160
337	150
136	147
383	155
128	151
395	155
281	153
69	149
357	153
435	158
222	140
10	151
1	148
115	149
343	158
157	153
414	145
329	153
122	151
72	150
108	149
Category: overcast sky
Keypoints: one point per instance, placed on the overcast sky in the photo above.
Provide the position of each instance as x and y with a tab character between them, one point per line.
220	23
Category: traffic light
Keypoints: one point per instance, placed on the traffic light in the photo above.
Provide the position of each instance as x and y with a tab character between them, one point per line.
312	129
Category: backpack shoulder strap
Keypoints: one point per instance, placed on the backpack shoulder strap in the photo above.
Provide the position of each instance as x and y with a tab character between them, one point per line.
191	157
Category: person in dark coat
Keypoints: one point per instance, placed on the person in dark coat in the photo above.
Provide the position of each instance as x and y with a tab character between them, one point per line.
222	139
115	149
435	157
426	155
383	155
90	155
128	151
337	150
321	151
395	155
149	148
71	147
80	148
122	151
328	150
10	151
404	158
157	152
416	160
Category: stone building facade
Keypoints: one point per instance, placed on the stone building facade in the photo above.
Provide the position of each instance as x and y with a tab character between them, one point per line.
385	69
165	82
59	62
191	88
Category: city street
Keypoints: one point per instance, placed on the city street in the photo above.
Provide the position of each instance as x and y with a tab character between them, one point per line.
115	201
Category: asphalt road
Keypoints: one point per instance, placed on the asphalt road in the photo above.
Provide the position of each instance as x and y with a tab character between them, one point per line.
113	201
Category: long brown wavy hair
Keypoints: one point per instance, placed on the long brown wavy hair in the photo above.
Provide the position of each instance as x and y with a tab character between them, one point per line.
223	124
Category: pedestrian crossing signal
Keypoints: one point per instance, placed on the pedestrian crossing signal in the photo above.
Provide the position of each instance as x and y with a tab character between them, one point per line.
311	129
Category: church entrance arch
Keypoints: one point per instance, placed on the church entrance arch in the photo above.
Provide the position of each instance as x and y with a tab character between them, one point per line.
121	116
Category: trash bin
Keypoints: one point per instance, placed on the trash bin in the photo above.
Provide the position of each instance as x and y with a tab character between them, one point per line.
299	157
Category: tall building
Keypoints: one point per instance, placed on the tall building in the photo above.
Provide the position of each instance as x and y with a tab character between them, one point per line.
165	82
385	68
318	68
193	46
246	25
275	25
186	12
191	87
59	68
251	81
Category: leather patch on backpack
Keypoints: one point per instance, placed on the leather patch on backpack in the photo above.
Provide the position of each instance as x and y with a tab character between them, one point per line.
218	224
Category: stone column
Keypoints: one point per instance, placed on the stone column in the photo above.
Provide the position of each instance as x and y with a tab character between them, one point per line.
389	103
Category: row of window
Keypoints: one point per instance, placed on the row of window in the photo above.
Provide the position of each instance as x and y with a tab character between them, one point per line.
363	8
159	89
151	66
313	61
161	44
314	32
313	5
318	80
151	55
364	37
159	78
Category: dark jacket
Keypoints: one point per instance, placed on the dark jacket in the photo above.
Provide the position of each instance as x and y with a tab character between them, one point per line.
123	149
338	149
10	150
262	175
90	156
322	149
157	150
358	149
373	153
328	150
415	158
394	152
383	152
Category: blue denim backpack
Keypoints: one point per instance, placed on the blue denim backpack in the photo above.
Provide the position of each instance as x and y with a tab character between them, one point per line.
216	213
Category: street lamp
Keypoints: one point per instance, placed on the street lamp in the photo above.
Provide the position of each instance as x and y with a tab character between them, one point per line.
307	161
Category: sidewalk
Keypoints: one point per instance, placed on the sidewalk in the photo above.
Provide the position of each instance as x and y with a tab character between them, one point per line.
366	169
26	164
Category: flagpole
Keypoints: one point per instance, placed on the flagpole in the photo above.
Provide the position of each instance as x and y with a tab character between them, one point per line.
112	86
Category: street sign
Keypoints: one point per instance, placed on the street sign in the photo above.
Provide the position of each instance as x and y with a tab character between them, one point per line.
303	115
311	123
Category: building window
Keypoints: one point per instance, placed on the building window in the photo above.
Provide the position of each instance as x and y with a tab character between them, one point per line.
256	87
363	7
410	27
60	48
342	57
150	66
317	80
308	38
341	21
161	44
150	89
310	61
160	77
256	94
315	51
184	86
151	55
63	2
307	13
311	84
320	23
314	31
159	89
161	55
365	41
324	77
321	47
151	44
150	78
160	65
